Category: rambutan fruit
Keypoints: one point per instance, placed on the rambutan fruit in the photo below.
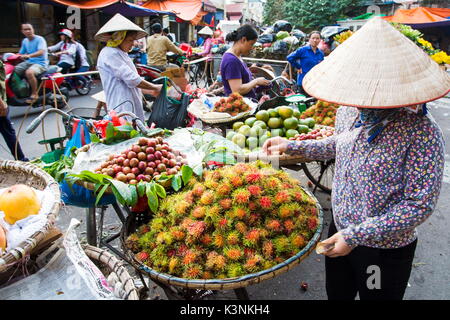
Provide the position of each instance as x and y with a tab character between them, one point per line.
199	212
233	253
206	239
282	197
174	264
207	275
207	198
274	225
235	270
143	229
181	207
289	226
272	183
282	244
196	228
251	238
198	190
254	190
241	227
252	263
241	196
240	212
223	189
253	177
236	181
218	240
267	249
213	212
182	249
286	210
252	206
312	223
248	252
225	203
312	211
265	203
177	234
192	272
142	256
190	257
189	197
253	219
233	238
297	240
222	224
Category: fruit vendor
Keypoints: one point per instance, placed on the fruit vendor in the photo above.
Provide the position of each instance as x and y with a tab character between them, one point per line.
307	57
389	155
236	76
120	79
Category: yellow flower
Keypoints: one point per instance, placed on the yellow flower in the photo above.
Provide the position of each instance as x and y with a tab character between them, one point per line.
425	44
441	57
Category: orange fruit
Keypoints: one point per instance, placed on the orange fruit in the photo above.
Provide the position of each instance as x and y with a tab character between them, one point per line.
19	202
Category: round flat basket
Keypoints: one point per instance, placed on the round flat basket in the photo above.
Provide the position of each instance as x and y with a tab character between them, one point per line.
221	284
108	264
17	172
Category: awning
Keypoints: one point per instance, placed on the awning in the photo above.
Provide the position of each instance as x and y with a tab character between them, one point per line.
421	17
108	6
235	16
187	10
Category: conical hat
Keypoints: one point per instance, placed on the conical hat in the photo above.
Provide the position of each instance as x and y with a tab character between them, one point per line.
377	67
118	23
207	31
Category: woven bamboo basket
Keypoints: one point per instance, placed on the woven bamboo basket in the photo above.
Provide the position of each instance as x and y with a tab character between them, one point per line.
16	172
228	283
107	263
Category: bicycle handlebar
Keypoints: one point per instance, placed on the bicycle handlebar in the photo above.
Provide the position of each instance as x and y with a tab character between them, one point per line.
33	125
138	121
283	78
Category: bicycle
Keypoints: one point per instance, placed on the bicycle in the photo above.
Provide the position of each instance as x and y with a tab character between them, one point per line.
200	72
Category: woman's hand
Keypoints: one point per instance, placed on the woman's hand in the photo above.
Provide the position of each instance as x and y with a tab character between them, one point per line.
155	91
341	248
261	81
275	146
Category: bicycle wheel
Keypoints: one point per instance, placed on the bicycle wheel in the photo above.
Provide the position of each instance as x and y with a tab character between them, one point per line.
320	173
83	87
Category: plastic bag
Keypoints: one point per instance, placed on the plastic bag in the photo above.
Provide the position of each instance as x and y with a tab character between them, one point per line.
20	87
280	47
169	113
282	25
78	195
266	38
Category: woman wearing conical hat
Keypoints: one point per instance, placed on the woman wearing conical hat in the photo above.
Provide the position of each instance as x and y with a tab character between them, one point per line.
389	155
121	82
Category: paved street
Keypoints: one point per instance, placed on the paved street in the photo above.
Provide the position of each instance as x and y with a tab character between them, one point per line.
430	278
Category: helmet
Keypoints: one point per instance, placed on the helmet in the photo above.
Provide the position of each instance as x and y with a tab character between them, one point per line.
66	32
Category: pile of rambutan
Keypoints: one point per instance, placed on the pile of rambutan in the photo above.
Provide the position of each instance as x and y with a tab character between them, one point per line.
233	105
237	220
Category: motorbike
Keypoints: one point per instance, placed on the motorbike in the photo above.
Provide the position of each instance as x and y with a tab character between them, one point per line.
17	95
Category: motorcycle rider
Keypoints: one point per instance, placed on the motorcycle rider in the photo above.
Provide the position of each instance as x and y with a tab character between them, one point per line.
83	64
34	51
6	128
157	47
65	50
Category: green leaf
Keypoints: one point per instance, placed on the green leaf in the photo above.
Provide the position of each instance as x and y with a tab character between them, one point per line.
100	194
134	195
153	202
141	188
123	190
94	138
160	191
186	172
198	170
110	131
134	134
176	182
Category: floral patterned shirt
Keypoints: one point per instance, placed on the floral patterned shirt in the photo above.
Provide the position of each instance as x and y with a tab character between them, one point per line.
384	189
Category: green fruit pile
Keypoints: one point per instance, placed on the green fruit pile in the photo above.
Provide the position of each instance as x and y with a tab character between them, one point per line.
282	121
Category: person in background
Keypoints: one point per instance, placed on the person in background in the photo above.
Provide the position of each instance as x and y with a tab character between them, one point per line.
157	47
34	51
236	76
81	60
142	44
65	50
6	128
306	57
166	33
121	82
207	33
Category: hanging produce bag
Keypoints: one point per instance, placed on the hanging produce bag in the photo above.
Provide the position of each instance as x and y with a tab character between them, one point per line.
76	195
169	113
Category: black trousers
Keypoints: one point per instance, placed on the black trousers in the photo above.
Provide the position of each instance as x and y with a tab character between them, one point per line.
9	134
376	274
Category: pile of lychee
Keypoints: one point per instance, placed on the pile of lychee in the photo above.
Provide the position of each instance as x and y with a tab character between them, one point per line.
144	161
